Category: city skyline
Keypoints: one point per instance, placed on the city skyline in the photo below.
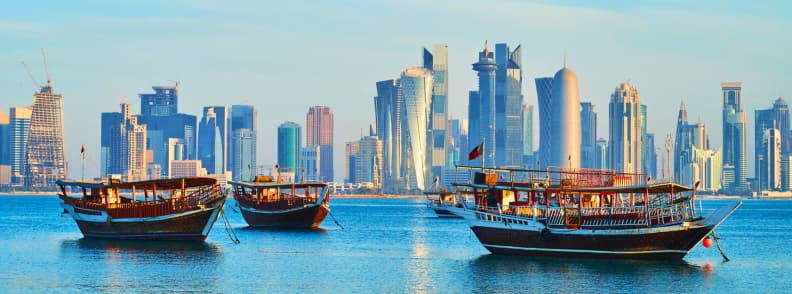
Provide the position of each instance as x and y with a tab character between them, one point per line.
82	75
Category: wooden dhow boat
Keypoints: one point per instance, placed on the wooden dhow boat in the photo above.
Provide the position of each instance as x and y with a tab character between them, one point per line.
264	203
169	209
586	213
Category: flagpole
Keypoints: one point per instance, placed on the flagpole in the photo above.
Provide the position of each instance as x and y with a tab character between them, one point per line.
484	153
82	159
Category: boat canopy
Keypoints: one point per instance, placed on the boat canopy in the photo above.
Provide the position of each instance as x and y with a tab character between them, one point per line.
650	188
273	185
163	184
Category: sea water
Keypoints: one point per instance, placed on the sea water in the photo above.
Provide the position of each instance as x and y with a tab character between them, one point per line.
386	245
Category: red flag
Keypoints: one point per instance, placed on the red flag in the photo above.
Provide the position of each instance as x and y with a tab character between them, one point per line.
476	152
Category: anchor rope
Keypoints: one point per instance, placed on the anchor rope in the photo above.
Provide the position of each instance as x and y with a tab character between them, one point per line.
229	230
330	212
718	245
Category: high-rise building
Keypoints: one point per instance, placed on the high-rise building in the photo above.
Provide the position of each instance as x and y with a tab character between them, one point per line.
544	89
289	144
159	112
5	136
484	103
769	168
186	168
588	133
457	147
626	142
19	127
527	129
388	105
213	139
734	158
46	153
436	62
319	132
350	150
601	154
564	148
689	137
367	160
767	119
416	83
310	163
508	106
123	145
649	160
242	148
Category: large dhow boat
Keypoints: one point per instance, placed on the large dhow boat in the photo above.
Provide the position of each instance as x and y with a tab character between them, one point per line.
268	203
586	213
169	209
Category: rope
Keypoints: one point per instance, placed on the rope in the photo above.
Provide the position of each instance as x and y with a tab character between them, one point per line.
229	230
718	245
330	212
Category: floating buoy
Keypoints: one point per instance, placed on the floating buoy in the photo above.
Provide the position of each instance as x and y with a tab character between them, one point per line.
707	242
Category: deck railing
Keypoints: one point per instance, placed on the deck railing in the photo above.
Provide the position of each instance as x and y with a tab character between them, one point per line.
589	217
139	209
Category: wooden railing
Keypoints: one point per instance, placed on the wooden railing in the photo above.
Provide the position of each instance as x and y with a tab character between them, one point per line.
140	209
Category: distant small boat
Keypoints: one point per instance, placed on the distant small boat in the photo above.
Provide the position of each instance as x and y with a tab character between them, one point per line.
586	213
172	209
264	203
445	204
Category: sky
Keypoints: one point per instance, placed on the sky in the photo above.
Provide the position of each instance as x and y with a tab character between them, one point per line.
286	56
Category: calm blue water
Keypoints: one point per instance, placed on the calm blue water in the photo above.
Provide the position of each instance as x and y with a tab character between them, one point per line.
388	245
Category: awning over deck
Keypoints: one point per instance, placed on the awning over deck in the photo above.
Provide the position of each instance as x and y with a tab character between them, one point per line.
273	185
161	184
657	188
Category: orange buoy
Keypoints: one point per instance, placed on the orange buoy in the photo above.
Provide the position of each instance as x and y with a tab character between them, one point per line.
707	242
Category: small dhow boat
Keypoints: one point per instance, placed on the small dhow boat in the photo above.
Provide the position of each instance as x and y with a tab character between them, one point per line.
586	213
265	203
170	209
446	204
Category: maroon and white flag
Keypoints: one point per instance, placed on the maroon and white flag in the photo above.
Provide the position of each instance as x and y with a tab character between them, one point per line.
476	152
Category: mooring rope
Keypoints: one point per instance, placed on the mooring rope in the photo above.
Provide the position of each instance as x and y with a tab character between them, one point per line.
718	245
330	212
229	230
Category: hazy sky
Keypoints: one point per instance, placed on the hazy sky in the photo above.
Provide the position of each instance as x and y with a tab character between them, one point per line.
284	57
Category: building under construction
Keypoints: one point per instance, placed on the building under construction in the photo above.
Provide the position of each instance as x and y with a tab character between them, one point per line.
46	154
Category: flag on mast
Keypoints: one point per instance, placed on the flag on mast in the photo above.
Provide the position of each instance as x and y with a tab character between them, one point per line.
476	152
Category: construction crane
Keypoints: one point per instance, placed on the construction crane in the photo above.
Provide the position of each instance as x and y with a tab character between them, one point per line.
46	68
30	74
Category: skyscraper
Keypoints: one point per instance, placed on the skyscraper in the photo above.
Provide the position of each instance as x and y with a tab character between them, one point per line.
626	142
310	160
388	109
5	135
416	83
289	144
508	106
367	160
484	99
242	149
437	63
159	112
319	132
544	88
46	154
564	148
213	139
689	144
123	145
601	154
458	132
767	120
734	159
350	149
588	132
527	129
19	127
649	160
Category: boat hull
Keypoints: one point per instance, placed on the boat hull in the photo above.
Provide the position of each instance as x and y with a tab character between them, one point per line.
309	216
668	244
192	225
445	212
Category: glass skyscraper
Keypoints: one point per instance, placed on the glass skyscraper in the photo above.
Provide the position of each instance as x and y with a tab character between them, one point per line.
734	159
19	126
159	112
416	83
508	106
289	144
626	133
5	135
123	145
388	105
437	63
544	88
242	148
528	133
484	103
319	132
588	132
767	123
213	139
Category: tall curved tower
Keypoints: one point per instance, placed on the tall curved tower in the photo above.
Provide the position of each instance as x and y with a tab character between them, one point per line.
417	92
565	121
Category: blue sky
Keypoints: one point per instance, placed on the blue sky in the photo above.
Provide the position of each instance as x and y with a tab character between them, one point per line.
284	57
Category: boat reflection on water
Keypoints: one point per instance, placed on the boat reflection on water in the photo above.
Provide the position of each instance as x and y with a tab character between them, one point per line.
555	274
141	246
280	230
